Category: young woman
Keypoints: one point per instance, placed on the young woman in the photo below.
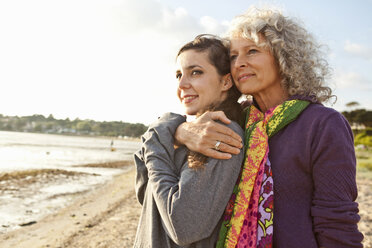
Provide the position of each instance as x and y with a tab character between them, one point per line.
184	194
297	187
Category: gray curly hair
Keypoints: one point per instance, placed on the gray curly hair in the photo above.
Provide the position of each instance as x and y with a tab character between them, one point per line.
298	55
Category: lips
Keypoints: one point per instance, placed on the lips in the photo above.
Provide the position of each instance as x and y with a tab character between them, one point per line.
188	98
245	76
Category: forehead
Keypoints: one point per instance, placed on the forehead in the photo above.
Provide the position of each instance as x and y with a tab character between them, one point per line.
242	42
192	57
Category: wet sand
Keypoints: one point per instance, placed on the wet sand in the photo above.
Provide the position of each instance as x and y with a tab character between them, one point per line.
27	196
104	217
108	216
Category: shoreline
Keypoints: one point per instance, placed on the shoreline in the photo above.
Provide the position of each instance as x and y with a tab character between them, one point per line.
62	228
107	216
125	138
26	196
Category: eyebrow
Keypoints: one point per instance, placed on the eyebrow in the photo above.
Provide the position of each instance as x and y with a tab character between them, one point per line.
245	47
193	66
190	67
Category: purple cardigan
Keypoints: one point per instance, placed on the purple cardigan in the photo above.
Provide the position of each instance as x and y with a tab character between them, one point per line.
314	167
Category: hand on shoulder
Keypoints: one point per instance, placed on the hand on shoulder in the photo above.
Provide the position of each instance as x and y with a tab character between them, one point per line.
202	134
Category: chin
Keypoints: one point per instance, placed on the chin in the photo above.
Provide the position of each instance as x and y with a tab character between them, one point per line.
191	112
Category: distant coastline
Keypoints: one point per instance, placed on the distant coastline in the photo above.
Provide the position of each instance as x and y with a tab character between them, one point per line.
40	124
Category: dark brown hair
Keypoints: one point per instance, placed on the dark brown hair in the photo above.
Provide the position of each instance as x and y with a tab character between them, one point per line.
218	55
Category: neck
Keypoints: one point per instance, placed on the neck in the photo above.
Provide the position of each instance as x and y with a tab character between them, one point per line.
267	100
213	106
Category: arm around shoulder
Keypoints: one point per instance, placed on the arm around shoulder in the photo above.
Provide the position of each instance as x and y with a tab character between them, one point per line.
192	202
198	201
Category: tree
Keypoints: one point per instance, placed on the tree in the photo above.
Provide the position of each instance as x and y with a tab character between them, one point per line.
37	118
39	123
19	123
50	117
364	117
8	127
352	104
38	128
84	126
49	126
359	116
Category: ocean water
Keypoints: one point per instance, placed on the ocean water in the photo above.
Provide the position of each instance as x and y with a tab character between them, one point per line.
20	151
34	199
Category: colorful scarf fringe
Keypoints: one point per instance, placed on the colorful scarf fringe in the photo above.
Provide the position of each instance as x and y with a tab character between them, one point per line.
248	218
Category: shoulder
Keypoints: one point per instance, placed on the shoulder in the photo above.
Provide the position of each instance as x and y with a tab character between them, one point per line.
168	119
236	128
324	123
166	124
320	110
316	123
319	115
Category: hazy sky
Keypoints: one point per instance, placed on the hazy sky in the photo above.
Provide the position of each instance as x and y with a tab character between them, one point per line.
114	59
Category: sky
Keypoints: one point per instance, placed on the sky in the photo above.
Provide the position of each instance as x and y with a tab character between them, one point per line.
114	60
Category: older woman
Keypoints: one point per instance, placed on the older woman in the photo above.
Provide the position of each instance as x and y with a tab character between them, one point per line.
297	186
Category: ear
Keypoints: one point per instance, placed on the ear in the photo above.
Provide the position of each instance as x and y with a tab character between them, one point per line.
226	82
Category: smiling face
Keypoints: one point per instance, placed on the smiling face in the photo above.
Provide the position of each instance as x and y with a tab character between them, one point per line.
199	84
253	68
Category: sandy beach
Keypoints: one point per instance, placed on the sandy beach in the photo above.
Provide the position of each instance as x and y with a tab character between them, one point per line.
108	216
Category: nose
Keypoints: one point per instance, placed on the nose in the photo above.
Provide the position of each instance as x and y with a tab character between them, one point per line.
183	83
240	61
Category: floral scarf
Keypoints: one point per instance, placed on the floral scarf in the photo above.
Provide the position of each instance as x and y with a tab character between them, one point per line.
248	218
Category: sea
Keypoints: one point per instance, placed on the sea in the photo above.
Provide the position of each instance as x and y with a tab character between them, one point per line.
26	203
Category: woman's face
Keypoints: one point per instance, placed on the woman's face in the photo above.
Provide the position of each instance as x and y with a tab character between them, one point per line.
199	84
253	68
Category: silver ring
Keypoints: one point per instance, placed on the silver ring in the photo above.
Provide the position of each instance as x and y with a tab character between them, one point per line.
217	145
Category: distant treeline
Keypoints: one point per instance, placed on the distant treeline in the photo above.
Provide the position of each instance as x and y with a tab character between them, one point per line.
359	117
361	122
42	124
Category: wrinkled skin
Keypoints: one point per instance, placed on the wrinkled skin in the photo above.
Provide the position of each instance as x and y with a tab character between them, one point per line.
202	134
